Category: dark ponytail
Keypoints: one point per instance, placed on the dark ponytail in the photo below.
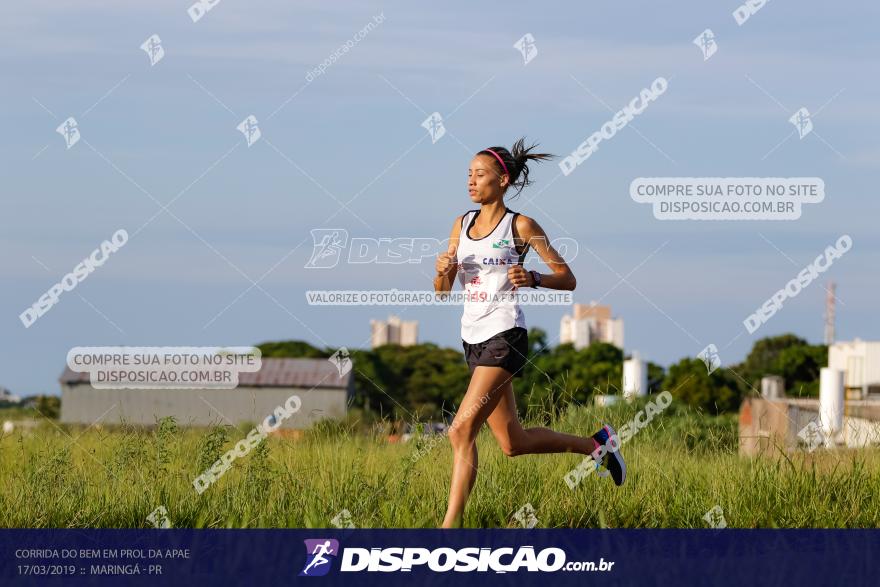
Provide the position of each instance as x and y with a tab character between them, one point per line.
516	160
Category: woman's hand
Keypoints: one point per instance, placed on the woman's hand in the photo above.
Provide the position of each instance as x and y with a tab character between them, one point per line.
446	262
518	275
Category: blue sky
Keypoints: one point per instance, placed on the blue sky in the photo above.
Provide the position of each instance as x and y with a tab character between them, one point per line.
157	133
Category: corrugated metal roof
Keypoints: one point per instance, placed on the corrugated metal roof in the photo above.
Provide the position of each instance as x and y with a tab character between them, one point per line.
305	373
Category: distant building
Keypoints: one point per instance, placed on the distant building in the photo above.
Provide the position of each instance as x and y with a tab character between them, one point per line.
635	377
787	425
393	331
589	323
8	397
846	413
317	382
860	362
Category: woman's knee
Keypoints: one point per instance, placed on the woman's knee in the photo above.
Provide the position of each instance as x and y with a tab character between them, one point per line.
515	446
461	436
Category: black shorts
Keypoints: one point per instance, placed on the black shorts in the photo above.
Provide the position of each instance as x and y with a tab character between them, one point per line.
507	350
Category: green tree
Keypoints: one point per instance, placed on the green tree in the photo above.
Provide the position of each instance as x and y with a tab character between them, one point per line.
48	405
537	342
292	349
565	374
410	382
689	381
800	367
656	374
764	356
788	356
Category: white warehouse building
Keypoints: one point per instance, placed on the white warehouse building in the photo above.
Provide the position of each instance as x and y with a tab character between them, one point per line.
860	362
324	393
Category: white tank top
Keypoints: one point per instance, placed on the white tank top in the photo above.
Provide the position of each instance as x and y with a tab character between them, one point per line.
483	265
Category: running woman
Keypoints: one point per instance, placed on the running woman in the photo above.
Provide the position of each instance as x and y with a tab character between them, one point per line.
487	247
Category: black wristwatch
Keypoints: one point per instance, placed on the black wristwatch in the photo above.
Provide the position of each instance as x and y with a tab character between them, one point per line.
536	279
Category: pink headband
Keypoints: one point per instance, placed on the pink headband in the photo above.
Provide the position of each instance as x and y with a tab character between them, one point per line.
499	160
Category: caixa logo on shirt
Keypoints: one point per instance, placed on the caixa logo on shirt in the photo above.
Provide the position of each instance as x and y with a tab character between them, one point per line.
495	261
320	553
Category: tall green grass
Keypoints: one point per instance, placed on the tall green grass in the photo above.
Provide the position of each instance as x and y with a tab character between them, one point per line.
680	466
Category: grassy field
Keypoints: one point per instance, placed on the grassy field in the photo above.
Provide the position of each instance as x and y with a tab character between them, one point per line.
680	466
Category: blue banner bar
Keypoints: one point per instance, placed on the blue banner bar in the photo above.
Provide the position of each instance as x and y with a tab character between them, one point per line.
465	557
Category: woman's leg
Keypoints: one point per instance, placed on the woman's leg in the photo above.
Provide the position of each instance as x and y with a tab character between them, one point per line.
515	440
483	394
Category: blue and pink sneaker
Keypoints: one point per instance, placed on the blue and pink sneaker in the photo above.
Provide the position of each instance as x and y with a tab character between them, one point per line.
608	454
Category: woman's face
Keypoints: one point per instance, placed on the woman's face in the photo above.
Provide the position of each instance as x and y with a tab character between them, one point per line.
484	182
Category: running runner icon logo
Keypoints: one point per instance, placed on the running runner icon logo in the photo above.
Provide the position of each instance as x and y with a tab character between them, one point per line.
320	553
802	121
706	42
69	129
154	49
327	247
434	125
250	128
526	46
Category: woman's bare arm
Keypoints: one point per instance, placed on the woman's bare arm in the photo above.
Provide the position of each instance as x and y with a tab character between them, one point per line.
447	263
533	235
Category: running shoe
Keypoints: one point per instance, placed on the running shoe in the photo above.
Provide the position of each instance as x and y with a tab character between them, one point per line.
612	460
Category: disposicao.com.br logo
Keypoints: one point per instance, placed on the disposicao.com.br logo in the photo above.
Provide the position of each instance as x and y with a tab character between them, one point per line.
441	560
318	551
